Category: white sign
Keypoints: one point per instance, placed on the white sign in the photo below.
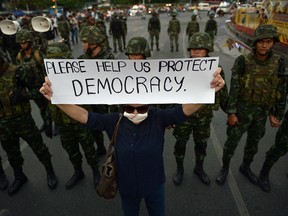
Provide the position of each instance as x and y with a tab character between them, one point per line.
156	81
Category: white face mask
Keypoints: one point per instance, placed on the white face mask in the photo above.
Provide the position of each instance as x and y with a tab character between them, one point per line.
136	118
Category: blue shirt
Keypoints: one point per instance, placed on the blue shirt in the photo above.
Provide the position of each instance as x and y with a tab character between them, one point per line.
139	148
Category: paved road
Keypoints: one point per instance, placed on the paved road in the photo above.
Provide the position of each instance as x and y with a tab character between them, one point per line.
236	197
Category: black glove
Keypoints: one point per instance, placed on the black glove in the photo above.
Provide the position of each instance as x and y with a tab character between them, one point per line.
48	128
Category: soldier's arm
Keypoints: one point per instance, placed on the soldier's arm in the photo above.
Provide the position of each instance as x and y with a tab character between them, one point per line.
238	68
280	104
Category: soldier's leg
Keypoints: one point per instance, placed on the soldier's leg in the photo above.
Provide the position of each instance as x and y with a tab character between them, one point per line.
87	142
70	142
157	42
254	133
42	104
177	42
33	137
182	133
3	177
151	41
171	42
119	41
234	134
114	44
10	143
201	134
279	149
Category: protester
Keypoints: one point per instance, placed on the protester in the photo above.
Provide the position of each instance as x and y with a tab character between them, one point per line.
140	140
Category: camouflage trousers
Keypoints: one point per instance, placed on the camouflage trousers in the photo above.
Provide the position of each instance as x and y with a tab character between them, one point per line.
199	125
152	37
174	39
252	119
73	135
280	148
12	129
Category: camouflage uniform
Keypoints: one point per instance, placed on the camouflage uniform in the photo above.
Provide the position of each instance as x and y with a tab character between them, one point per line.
258	89
138	46
192	27
16	122
154	28
33	68
72	133
64	29
199	122
173	32
116	30
211	26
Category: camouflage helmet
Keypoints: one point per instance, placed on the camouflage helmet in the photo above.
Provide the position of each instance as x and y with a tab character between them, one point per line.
212	14
265	31
95	36
24	36
138	46
201	40
84	33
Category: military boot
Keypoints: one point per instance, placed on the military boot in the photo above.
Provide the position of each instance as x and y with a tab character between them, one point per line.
3	179
97	176
77	176
246	171
263	179
177	179
172	49
157	45
51	177
177	49
199	171
20	179
221	178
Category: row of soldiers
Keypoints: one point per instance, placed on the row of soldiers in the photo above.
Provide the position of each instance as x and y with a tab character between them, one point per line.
19	83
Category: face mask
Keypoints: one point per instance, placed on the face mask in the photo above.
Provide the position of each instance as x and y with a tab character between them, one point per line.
136	118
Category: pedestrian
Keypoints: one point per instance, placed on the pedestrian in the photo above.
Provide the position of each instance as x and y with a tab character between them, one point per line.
31	61
140	140
154	29
173	32
16	122
72	133
116	30
279	149
192	27
257	90
211	25
200	45
3	178
123	20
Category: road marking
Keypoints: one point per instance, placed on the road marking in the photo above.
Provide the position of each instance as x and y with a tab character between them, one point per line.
242	209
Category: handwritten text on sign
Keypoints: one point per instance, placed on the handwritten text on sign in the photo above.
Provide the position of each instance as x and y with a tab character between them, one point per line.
95	81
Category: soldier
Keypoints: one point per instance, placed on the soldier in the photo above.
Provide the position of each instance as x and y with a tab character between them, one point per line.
31	61
72	133
94	47
116	30
174	31
279	149
154	29
258	89
211	25
192	27
64	30
3	178
199	46
16	122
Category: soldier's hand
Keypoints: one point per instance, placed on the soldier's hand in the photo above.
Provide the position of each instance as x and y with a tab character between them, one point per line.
232	120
